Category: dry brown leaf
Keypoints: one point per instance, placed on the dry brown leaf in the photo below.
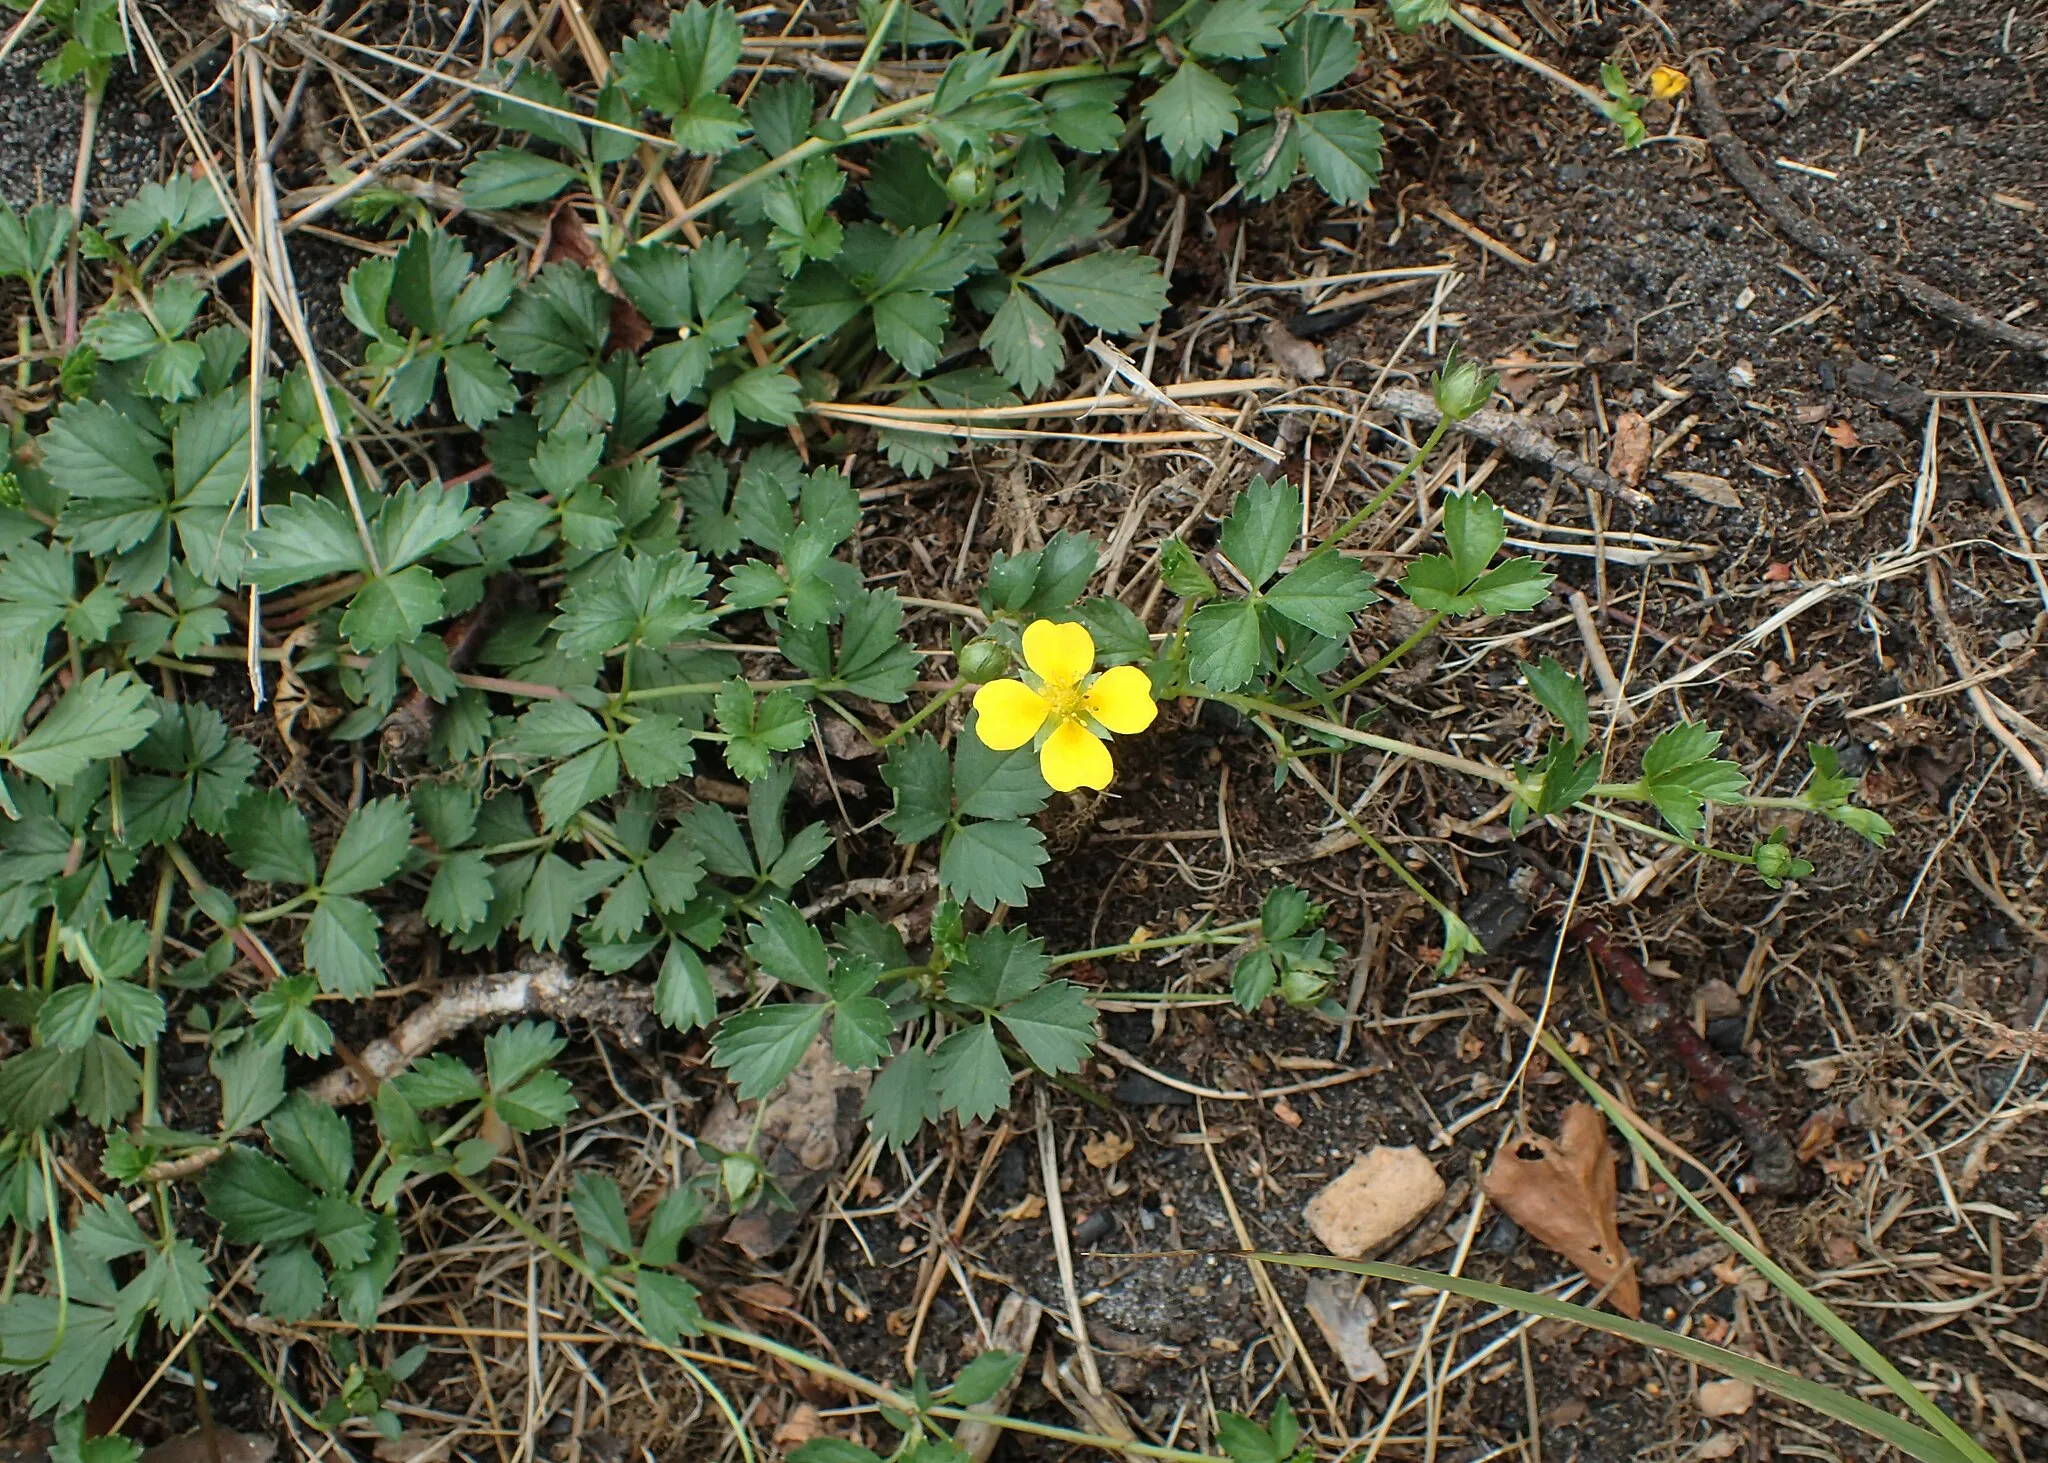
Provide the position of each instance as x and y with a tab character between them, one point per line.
1628	457
799	1427
1843	435
1716	1448
1563	1194
1518	383
1297	357
1817	1133
1104	1150
1031	1206
1284	1110
1708	487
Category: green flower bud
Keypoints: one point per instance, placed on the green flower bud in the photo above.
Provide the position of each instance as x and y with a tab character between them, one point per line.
1463	388
984	660
1775	861
1303	988
963	184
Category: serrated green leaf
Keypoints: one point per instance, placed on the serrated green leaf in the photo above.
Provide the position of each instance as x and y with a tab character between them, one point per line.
509	177
983	1377
970	1075
1262	527
600	1213
987	864
760	1048
861	1026
99	717
668	1306
920	773
1342	151
1117	290
1323	593
1225	644
341	947
256	1199
1474	527
683	997
1053	1026
372	847
787	946
1562	694
269	840
313	1140
1513	585
290	1283
902	1098
1192	113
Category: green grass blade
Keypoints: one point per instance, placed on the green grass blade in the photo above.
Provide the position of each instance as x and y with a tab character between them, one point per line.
1816	1309
1914	1442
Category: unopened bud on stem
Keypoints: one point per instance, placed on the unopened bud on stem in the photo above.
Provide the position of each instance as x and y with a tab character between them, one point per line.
1463	388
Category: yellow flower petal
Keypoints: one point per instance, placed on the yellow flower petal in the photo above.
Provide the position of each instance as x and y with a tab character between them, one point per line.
1667	82
1121	699
1009	714
1059	655
1074	756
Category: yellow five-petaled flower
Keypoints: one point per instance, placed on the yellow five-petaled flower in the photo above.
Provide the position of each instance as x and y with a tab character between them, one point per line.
1061	699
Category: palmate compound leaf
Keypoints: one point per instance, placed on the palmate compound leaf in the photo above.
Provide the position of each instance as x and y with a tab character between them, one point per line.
1682	774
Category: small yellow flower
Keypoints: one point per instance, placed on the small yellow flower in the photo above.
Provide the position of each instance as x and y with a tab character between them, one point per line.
1078	709
1667	82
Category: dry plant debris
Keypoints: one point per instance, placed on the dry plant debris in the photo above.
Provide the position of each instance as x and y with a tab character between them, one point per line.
1563	1193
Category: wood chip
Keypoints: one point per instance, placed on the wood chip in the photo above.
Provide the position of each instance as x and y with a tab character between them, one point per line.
1726	1397
1345	1316
1374	1201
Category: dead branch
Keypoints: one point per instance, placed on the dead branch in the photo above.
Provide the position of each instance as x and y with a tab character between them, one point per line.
1739	165
1515	437
544	986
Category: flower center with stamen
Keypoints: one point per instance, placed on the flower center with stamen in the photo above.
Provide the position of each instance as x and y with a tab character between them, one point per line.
1064	698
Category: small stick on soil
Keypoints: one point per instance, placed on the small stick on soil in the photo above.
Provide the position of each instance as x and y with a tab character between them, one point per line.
1515	437
1774	1167
1603	668
1736	161
546	987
